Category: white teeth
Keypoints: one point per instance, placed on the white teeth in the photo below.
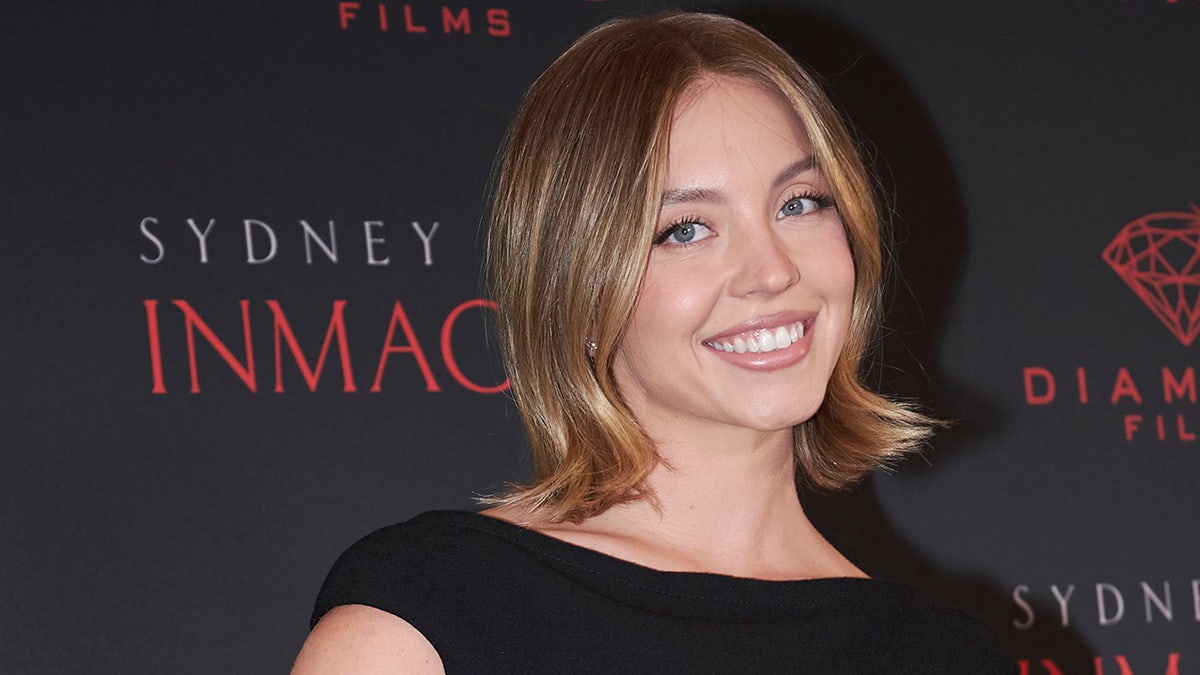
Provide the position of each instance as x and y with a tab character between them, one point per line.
761	341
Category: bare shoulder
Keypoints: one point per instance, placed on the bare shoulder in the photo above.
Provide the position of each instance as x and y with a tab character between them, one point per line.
361	639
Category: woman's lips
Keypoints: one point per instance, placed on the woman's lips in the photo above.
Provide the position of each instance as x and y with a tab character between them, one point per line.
766	343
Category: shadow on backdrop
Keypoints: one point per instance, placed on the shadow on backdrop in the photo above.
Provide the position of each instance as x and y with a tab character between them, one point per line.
904	149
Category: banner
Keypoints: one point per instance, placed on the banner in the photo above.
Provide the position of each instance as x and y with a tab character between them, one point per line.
245	323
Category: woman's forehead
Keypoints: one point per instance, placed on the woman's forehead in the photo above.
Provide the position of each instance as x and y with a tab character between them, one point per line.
726	121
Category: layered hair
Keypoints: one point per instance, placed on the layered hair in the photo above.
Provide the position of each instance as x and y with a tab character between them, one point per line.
578	193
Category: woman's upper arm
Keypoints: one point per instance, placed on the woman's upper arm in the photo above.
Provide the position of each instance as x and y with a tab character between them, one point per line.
361	639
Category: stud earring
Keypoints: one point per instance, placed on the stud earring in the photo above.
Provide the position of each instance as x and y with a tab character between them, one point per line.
591	347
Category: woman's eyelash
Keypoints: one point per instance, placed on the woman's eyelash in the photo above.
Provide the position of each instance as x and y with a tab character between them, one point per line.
666	232
823	201
820	200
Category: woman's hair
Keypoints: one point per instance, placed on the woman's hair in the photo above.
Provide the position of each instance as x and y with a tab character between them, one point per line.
576	201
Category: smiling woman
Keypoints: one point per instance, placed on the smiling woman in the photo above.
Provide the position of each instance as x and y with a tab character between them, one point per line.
586	189
686	255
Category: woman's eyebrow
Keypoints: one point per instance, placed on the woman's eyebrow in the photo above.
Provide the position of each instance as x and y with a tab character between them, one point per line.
687	194
792	170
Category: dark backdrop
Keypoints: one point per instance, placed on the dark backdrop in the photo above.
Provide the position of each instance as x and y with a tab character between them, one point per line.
151	524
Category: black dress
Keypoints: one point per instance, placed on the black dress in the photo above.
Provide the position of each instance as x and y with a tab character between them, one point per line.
493	597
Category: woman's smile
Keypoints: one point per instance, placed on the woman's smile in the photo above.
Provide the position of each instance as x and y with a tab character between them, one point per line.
763	340
764	344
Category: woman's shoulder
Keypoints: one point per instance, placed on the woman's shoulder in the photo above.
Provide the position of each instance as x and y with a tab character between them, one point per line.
411	562
431	537
446	587
930	637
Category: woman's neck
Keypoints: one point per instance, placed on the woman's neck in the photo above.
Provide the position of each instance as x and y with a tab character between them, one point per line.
721	506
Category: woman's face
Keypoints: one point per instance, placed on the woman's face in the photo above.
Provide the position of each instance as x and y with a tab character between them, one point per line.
747	296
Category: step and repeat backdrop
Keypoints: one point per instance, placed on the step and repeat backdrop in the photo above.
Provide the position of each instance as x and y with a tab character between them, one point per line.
243	324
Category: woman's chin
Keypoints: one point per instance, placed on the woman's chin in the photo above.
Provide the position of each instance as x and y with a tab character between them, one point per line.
781	413
784	420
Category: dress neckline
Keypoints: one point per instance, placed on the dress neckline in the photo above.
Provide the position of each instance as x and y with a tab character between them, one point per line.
698	593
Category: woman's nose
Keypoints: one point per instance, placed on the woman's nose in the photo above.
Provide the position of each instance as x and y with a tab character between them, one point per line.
763	264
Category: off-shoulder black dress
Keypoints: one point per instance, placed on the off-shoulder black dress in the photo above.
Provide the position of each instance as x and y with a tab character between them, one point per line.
493	597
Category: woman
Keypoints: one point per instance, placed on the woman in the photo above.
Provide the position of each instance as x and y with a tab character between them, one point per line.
686	254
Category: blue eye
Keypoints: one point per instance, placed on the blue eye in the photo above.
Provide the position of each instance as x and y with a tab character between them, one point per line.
682	233
804	204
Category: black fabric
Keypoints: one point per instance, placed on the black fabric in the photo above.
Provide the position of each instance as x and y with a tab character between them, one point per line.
493	597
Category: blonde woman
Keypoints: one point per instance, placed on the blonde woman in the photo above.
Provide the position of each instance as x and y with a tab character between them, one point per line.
685	249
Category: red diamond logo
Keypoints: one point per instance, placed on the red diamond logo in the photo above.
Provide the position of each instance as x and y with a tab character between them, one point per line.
1158	256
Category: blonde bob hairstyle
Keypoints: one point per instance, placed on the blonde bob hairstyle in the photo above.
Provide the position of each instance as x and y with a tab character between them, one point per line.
578	193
